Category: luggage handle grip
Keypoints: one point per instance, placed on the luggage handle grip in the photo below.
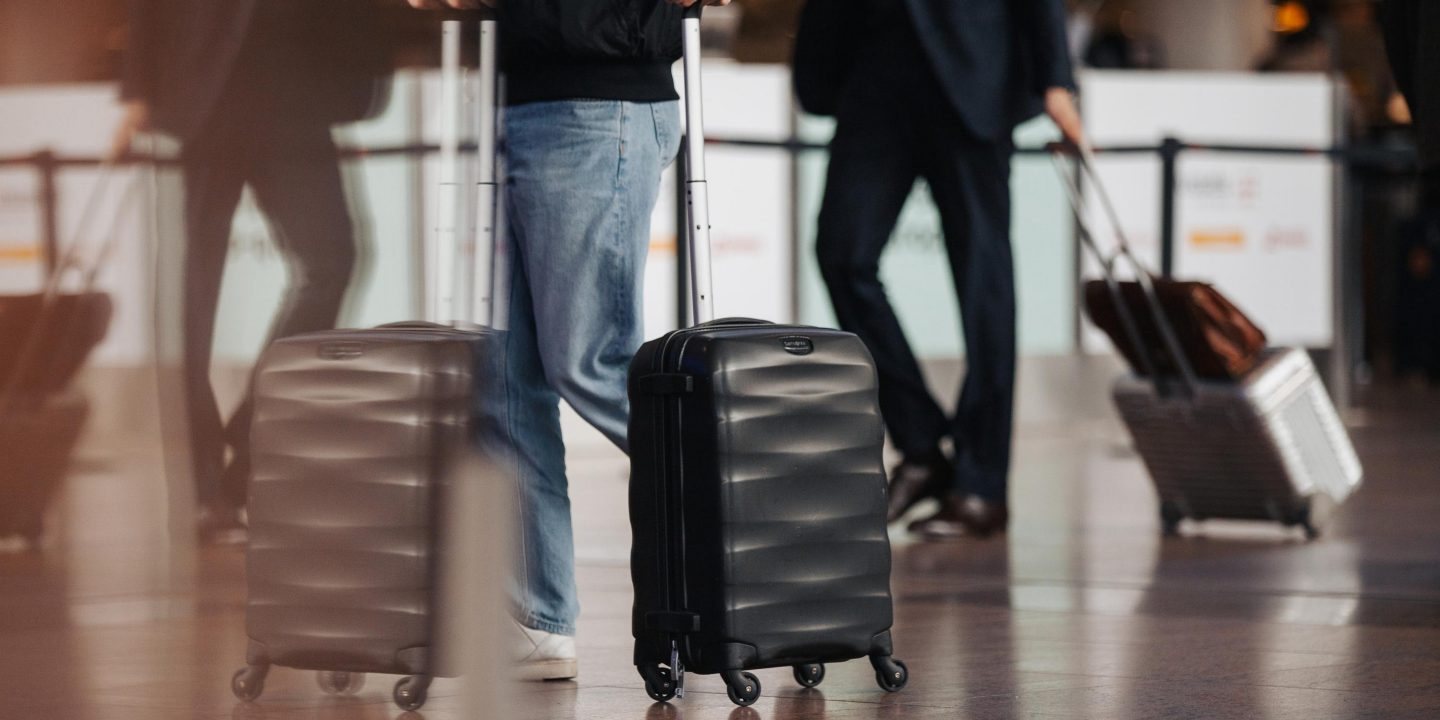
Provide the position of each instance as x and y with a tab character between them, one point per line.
1085	161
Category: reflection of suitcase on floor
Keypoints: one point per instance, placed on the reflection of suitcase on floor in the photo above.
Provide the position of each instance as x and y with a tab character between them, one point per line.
757	491
38	437
1259	447
355	432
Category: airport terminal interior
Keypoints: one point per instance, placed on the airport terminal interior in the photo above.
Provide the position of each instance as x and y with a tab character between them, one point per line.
1261	146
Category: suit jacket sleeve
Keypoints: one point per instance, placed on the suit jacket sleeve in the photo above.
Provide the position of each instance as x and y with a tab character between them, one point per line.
138	73
1043	21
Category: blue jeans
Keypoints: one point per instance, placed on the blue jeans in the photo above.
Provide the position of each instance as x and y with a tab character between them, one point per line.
582	180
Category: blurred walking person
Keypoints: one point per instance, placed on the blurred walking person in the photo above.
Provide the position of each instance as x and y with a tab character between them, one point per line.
1412	40
251	89
936	90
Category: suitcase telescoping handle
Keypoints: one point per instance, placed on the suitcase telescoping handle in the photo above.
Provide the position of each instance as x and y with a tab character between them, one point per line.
1085	159
461	273
697	197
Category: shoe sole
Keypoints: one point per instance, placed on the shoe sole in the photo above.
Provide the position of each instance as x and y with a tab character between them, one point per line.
542	670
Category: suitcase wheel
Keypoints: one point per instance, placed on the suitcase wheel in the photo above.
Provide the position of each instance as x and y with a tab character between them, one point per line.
659	683
1300	516
890	674
248	682
809	675
340	682
411	692
742	687
1170	517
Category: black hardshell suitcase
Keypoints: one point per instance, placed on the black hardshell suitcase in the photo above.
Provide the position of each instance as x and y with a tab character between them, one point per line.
757	489
354	435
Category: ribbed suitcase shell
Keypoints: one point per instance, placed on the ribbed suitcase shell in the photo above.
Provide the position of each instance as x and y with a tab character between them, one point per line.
352	434
757	498
1257	448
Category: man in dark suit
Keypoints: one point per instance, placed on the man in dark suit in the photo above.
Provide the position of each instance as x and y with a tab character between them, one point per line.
937	88
251	89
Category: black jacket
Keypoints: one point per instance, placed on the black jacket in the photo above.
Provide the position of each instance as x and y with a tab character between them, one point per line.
995	58
601	49
285	61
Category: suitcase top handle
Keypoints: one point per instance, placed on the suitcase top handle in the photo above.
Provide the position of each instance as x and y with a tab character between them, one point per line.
697	197
1085	160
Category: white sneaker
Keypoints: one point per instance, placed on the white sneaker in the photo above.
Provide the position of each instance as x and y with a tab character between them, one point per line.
543	655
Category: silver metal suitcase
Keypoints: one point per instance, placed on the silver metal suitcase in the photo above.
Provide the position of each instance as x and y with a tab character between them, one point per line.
1260	448
1263	447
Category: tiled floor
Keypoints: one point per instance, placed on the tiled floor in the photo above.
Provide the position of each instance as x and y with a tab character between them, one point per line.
1083	611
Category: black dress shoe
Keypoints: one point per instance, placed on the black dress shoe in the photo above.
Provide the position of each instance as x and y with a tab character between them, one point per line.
961	516
912	482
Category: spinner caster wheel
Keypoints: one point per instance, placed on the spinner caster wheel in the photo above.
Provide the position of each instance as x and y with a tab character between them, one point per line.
809	675
410	692
890	674
659	682
248	682
742	687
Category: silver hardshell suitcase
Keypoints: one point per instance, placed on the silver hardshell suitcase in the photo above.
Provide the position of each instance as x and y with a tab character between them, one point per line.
1263	447
1260	448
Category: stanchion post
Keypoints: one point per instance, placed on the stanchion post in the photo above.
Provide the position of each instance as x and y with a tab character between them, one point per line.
47	166
1169	156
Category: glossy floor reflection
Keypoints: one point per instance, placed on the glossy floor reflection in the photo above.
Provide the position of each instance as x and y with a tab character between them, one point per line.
1083	611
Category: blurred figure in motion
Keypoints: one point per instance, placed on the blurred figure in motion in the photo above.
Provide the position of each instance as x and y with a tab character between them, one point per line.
251	89
937	88
592	119
1120	40
1412	40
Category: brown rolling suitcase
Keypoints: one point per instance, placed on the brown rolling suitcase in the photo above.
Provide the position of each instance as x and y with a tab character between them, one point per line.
1218	339
355	432
46	338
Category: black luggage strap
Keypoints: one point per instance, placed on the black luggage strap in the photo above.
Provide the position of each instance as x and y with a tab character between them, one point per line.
673	622
666	384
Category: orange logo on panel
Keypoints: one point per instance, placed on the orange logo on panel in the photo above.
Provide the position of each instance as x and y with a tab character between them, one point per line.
1219	239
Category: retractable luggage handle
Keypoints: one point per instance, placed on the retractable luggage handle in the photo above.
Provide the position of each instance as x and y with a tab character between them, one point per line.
70	260
1145	278
697	197
463	273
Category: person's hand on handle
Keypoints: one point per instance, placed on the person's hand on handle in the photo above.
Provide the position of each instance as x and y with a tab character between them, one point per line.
1060	106
135	121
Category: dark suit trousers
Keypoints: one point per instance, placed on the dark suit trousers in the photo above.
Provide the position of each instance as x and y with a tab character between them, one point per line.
895	127
292	169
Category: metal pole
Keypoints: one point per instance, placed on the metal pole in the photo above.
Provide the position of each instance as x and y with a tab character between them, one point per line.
682	248
1169	154
1344	259
441	254
49	210
480	273
697	195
